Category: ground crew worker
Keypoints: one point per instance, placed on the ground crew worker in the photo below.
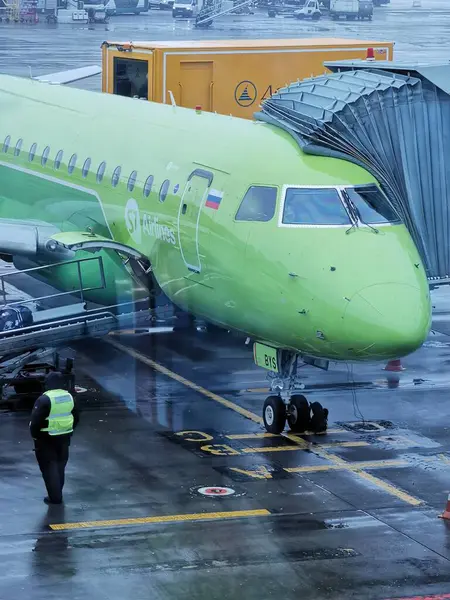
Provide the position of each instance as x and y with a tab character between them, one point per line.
53	419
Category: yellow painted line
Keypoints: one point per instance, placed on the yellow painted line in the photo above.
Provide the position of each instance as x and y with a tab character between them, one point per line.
257	436
337	460
190	384
387	487
233	514
390	489
300	447
370	464
252	436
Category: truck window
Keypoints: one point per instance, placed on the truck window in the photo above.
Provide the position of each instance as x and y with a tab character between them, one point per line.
314	206
130	77
259	204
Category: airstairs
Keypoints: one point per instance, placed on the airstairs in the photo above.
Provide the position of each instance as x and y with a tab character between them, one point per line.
212	9
10	10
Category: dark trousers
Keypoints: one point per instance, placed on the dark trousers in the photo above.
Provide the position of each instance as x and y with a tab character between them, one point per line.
52	454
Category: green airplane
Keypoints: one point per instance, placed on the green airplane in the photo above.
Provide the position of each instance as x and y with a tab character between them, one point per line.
302	254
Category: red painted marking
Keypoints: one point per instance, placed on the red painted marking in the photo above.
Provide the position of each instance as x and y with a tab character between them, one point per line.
216	491
436	597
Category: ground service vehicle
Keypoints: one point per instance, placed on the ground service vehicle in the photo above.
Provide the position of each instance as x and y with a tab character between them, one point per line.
344	8
365	10
227	216
226	76
184	8
310	10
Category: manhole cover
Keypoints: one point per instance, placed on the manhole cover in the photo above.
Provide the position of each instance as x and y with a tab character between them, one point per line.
216	491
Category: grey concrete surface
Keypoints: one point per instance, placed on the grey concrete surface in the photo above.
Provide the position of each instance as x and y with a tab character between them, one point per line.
335	530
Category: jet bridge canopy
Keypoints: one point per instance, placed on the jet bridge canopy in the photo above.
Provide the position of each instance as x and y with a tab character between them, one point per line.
392	119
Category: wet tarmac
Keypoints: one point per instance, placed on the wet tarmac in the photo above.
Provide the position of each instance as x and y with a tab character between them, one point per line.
419	34
165	417
353	514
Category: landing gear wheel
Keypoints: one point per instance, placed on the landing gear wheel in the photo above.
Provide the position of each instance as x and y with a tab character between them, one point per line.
298	416
319	419
274	414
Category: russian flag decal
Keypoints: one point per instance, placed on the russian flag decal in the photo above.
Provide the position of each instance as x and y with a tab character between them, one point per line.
214	198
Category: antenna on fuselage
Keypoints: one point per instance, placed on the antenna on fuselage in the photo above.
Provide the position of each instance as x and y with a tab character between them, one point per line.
31	74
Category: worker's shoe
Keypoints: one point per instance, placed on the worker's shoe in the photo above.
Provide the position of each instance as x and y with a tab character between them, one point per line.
319	419
48	501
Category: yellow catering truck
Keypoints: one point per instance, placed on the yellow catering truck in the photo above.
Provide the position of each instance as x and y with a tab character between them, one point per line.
226	76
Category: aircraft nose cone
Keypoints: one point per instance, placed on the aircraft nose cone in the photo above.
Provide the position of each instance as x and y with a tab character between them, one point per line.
387	320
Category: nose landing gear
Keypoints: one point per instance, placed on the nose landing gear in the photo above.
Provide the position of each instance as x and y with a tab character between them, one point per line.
295	409
300	415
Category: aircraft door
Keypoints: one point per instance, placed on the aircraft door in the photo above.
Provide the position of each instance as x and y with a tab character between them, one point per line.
192	201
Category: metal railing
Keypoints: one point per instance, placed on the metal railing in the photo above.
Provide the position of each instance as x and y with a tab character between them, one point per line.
80	290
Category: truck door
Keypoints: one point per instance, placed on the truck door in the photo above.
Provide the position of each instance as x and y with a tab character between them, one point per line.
191	203
196	84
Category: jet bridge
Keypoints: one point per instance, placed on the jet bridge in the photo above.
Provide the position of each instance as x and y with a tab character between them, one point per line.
28	353
393	119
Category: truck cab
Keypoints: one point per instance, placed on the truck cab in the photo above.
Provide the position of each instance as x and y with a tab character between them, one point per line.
184	8
310	10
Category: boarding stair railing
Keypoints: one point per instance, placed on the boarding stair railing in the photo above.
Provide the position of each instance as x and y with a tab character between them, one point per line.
59	326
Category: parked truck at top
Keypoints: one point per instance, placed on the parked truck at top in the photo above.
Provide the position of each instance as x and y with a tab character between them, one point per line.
344	8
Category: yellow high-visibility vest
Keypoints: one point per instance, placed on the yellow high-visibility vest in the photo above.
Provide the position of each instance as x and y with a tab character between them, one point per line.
60	419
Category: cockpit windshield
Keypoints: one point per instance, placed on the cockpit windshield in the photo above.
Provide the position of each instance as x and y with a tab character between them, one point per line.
372	205
314	206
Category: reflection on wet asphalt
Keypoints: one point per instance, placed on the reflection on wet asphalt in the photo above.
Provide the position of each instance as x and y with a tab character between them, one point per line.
352	514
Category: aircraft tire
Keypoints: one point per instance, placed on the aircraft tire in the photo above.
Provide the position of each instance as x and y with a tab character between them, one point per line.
298	416
274	414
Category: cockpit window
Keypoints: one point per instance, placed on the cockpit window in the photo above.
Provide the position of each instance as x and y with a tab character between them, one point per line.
314	206
372	205
259	204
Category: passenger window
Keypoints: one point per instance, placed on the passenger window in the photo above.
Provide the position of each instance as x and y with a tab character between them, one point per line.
259	204
116	176
101	171
132	181
164	190
18	147
58	159
72	163
372	205
319	206
44	157
6	143
32	152
86	167
148	186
